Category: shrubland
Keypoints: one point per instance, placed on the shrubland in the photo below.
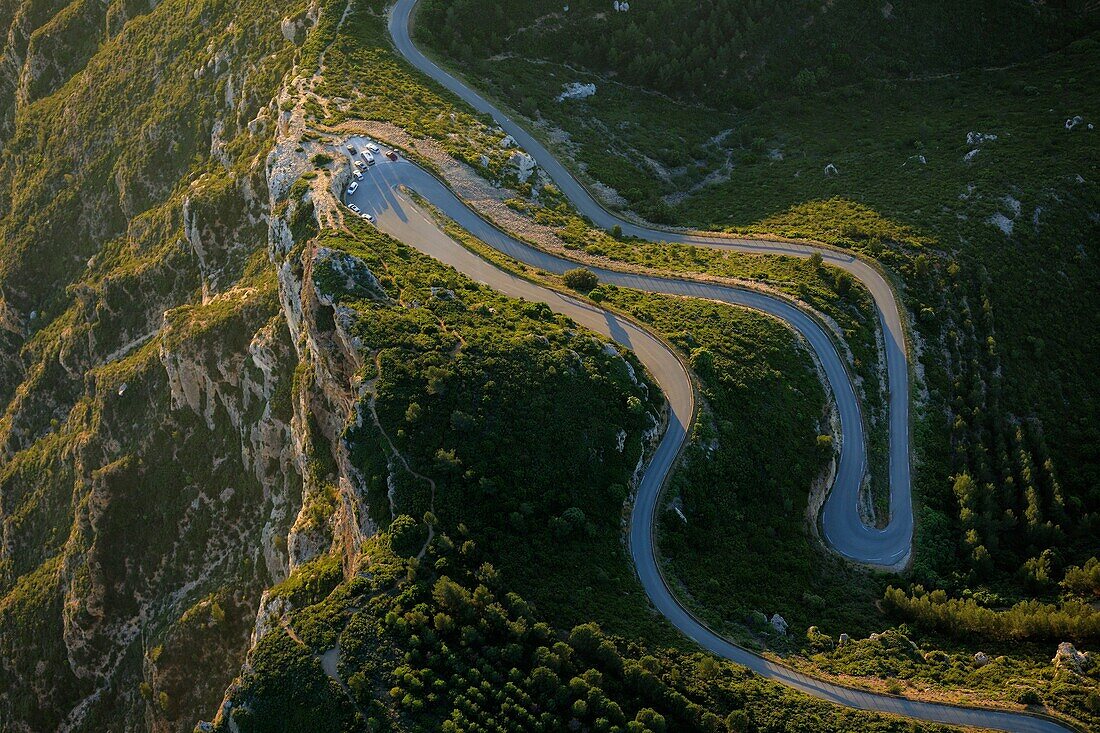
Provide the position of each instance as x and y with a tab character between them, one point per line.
438	642
312	460
977	190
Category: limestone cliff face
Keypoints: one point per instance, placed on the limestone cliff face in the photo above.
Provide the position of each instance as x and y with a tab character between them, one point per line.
168	370
323	343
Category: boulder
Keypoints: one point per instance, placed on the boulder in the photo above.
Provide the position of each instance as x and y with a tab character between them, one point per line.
1002	222
981	659
831	170
779	623
977	138
843	641
524	165
1067	657
969	157
576	90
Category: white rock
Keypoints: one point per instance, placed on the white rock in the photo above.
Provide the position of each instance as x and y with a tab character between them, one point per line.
981	659
831	170
508	141
977	138
779	623
576	90
122	388
1002	222
843	641
971	155
1074	122
1067	657
524	163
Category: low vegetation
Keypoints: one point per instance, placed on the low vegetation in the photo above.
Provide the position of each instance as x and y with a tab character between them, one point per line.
974	192
442	644
478	395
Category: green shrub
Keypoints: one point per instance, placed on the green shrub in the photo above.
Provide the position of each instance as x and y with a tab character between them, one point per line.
580	279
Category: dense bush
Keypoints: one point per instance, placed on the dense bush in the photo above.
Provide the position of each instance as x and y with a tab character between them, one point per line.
1072	620
502	419
421	649
580	279
721	52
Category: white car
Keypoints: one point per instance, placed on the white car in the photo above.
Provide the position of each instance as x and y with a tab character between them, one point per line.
368	157
358	175
360	165
368	217
351	149
373	147
355	208
354	185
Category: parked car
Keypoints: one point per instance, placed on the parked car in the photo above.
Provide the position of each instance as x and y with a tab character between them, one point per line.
351	149
360	165
355	208
373	147
354	185
358	175
368	157
392	155
368	217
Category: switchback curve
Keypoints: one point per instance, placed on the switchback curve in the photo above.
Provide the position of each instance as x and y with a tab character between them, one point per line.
381	194
841	524
843	529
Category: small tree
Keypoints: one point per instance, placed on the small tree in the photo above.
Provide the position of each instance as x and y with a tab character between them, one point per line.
581	279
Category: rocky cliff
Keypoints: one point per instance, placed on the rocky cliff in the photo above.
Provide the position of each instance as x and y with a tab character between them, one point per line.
169	385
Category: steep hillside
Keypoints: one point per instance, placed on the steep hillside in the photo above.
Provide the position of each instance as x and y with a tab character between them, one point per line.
724	53
960	155
263	466
150	449
215	391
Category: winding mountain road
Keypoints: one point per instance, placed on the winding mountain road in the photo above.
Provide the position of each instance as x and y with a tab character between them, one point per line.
380	194
840	520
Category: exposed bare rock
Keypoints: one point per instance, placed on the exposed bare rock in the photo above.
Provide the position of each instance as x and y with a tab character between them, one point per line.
1067	657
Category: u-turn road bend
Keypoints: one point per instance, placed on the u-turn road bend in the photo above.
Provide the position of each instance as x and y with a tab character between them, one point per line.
380	194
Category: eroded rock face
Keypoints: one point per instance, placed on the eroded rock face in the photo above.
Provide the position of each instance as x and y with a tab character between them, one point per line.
1067	657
